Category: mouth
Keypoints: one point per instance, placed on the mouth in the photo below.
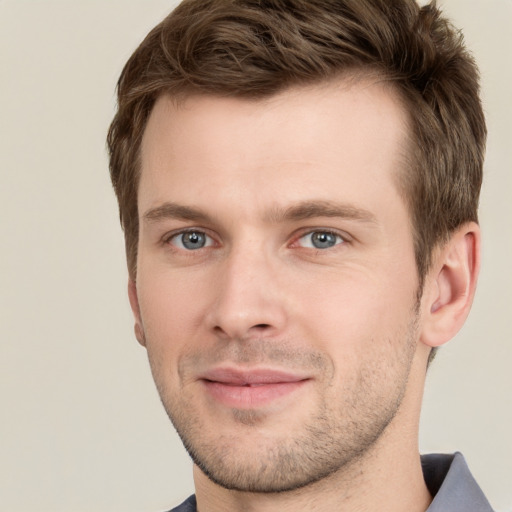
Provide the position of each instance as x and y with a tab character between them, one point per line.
249	389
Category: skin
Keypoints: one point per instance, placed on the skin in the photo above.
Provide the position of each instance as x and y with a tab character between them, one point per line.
257	181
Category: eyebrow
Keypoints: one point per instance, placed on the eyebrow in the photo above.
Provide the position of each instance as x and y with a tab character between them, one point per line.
300	211
174	211
310	209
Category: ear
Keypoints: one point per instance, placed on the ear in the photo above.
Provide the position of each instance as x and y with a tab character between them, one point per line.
134	303
450	286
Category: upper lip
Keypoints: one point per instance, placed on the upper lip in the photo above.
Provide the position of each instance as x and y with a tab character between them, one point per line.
244	377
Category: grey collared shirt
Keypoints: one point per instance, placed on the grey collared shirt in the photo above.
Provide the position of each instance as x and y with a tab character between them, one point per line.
448	479
452	485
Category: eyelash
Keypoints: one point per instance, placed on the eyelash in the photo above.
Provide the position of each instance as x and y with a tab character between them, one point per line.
342	238
168	238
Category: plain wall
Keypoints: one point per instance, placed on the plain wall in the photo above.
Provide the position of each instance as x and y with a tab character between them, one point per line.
81	426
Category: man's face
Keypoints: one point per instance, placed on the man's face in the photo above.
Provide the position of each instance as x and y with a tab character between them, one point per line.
276	283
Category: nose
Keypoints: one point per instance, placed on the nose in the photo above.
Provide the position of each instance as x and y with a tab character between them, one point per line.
248	298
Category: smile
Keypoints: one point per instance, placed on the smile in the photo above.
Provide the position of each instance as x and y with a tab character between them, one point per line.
250	389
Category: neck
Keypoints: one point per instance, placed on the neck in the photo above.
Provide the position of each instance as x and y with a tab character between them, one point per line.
397	486
388	480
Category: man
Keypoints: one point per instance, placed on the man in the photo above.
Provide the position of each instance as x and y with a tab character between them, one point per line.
298	185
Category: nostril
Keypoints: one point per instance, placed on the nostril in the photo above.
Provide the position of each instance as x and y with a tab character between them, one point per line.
261	326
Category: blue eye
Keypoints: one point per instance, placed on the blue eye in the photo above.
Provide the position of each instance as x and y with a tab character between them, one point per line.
320	240
191	240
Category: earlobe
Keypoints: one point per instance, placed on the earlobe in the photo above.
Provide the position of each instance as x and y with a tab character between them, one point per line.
450	287
134	303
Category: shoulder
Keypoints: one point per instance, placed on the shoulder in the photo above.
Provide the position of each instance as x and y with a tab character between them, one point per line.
189	505
451	484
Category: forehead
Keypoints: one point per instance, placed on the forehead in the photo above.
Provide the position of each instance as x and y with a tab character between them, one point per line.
309	141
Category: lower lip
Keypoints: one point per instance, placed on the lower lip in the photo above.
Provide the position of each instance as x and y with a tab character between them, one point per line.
250	397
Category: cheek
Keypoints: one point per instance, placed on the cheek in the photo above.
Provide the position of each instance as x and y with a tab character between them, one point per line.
354	312
170	309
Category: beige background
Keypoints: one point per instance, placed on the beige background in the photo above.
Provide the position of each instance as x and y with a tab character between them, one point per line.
81	427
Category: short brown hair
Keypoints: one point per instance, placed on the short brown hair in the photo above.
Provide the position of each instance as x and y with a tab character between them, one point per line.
256	48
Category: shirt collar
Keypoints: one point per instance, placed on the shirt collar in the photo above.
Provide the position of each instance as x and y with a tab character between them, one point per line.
452	485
